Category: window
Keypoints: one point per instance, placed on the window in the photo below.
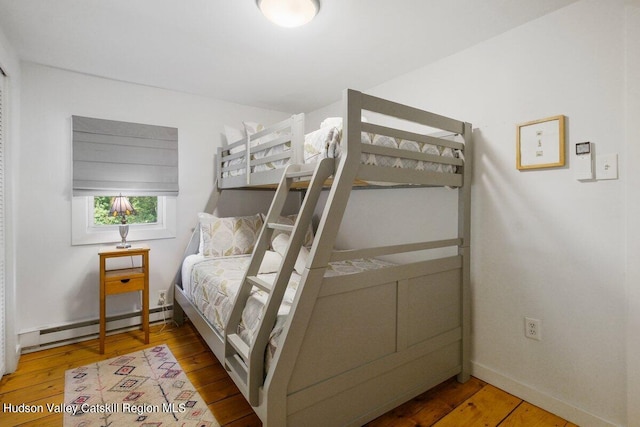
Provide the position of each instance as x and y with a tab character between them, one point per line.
86	231
145	207
137	160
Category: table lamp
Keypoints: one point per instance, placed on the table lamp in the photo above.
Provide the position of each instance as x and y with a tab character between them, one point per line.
120	205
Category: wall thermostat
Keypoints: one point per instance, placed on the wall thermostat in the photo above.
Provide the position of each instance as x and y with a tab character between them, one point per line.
583	170
583	148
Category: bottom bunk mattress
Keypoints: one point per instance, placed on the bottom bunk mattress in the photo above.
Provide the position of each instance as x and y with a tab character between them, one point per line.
212	283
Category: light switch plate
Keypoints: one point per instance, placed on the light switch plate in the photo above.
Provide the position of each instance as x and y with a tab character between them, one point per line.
607	166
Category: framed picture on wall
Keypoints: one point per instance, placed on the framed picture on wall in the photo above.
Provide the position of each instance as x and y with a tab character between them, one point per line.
540	143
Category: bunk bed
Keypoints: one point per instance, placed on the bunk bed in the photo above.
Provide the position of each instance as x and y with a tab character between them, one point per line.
335	337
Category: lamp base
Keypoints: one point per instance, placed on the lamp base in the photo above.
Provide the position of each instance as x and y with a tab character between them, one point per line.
124	230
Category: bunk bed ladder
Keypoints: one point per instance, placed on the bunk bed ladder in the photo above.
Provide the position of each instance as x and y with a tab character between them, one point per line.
244	362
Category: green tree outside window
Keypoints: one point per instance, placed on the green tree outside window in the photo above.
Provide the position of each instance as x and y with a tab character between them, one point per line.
146	208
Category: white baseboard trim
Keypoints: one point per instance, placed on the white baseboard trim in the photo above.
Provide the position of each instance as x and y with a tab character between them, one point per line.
55	336
538	398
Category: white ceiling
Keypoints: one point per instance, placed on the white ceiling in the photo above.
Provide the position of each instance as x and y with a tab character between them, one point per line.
226	49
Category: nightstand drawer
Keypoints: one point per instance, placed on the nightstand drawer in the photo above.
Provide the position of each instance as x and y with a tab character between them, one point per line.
123	284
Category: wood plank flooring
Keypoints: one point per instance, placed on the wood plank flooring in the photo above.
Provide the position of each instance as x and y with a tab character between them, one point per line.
40	380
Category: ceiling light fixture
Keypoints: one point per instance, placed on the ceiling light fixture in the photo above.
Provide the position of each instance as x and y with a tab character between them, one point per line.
289	13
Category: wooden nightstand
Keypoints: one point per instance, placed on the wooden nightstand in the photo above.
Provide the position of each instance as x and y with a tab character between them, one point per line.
124	280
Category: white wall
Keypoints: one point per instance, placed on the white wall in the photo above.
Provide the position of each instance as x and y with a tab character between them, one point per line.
57	282
633	211
543	244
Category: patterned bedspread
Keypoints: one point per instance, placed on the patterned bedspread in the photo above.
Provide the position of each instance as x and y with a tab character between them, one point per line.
325	142
215	282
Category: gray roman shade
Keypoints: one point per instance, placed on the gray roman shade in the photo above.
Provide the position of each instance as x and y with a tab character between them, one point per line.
111	157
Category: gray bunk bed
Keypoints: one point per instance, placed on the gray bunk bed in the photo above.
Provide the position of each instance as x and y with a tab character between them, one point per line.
349	347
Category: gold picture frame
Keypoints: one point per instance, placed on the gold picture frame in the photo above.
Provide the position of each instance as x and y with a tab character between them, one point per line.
540	143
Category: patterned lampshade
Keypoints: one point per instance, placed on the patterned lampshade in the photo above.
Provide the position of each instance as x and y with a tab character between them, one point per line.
120	205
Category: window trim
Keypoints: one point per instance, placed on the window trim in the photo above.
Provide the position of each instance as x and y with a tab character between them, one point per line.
84	232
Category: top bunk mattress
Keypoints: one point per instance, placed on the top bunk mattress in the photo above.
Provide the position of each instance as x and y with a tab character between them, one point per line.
325	143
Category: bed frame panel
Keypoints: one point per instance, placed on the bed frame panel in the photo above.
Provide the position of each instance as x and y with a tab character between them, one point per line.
359	403
354	347
377	320
207	331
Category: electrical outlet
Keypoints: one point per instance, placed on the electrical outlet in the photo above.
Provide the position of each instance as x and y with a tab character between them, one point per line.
532	328
162	297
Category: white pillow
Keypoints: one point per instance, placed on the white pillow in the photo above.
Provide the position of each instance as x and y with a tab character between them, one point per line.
301	261
270	262
251	128
280	244
337	122
234	135
290	220
331	122
203	217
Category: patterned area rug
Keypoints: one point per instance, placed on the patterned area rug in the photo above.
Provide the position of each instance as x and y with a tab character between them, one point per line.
145	388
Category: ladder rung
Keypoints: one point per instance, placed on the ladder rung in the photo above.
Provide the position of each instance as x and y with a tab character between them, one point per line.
281	227
241	363
299	174
259	283
302	171
237	369
239	345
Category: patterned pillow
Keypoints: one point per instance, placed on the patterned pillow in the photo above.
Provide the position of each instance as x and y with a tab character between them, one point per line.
290	220
251	128
221	237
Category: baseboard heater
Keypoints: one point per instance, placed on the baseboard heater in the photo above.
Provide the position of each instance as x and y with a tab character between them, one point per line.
88	329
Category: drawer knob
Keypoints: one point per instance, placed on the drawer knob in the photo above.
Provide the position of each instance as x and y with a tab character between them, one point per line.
125	280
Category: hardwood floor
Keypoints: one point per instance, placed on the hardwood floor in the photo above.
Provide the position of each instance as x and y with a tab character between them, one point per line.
40	380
